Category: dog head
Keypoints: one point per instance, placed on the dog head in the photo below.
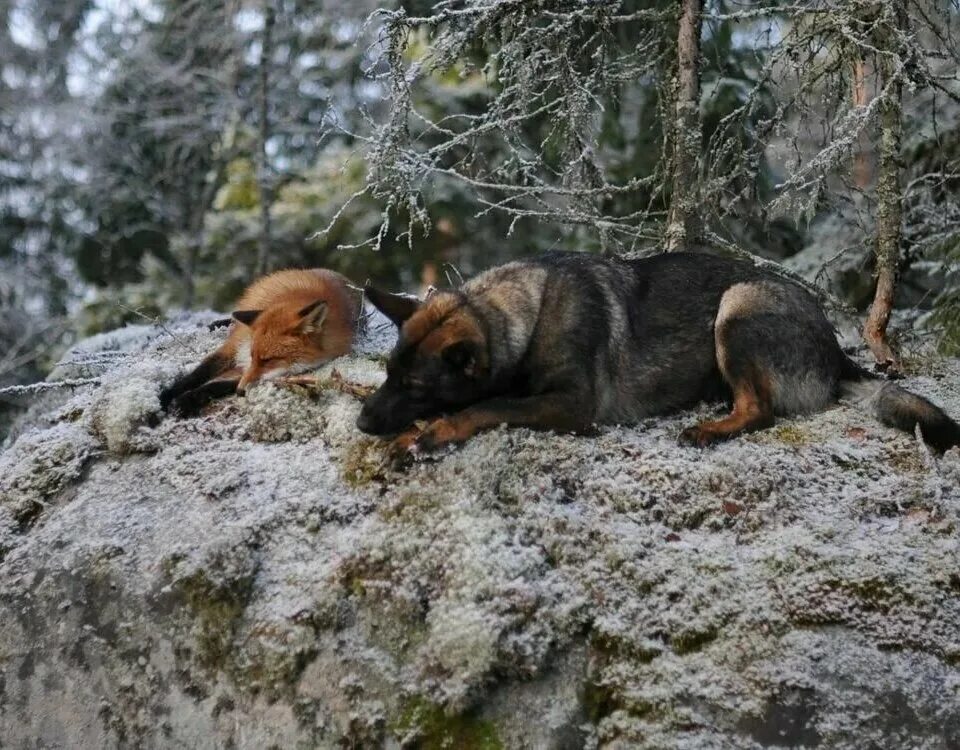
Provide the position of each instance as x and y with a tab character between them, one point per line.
440	361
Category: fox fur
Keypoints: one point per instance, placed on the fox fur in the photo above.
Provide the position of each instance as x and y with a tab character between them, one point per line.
287	322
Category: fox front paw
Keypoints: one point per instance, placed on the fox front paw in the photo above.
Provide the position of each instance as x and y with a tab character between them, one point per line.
167	397
187	405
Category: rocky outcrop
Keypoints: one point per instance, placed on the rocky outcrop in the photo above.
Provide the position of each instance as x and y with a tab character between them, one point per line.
258	578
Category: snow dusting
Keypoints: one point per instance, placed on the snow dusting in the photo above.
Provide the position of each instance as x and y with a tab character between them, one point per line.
258	576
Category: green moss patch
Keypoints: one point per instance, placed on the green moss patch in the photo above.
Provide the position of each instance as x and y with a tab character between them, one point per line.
691	641
362	462
429	727
218	609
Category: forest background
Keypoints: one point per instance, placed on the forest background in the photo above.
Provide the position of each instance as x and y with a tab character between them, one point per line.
156	155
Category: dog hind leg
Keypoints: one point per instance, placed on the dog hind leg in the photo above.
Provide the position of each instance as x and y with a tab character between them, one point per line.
778	354
752	410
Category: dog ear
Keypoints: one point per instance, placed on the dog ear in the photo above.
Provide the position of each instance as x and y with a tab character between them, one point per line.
246	316
461	355
397	307
312	316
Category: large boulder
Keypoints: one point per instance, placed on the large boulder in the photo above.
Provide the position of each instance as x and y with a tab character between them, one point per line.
257	577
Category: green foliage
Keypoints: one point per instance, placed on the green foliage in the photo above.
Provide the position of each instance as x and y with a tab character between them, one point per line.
217	608
435	730
406	152
946	318
240	191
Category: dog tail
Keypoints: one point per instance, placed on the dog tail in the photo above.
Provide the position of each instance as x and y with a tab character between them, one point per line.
897	407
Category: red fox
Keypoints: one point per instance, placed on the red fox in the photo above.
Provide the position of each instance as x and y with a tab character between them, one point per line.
288	322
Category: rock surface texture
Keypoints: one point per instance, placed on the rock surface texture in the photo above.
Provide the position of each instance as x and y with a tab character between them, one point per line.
255	577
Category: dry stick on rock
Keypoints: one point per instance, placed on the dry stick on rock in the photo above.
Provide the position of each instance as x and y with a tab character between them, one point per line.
46	385
335	382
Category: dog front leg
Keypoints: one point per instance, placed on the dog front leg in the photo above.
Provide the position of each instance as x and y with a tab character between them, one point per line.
562	412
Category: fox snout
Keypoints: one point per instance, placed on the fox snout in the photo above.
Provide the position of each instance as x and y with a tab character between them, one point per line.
249	377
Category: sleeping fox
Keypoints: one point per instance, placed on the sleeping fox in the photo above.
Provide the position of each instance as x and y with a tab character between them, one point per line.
288	322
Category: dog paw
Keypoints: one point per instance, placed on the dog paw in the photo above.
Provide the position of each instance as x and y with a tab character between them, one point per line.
402	449
694	437
437	434
421	439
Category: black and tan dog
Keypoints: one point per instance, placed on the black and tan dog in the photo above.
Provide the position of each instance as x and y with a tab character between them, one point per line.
568	340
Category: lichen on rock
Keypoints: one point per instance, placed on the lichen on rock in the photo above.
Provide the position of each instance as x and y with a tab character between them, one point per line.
259	576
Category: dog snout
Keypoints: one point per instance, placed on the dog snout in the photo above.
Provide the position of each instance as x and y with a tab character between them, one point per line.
367	422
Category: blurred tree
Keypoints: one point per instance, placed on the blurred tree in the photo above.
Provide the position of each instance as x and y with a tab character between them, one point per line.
264	177
36	175
159	153
37	206
206	95
163	130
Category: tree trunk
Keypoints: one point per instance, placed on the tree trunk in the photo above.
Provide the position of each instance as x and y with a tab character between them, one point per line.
196	211
861	159
189	273
683	220
263	174
889	213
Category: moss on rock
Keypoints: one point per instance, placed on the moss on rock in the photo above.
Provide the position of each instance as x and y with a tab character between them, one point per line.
427	726
217	607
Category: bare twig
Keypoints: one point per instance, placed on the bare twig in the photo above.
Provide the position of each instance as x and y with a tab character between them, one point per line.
47	385
158	322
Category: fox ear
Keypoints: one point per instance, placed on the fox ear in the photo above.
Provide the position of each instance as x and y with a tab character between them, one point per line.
312	316
397	307
461	355
246	316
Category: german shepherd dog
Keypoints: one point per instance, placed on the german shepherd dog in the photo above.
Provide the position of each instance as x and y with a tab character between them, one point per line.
569	340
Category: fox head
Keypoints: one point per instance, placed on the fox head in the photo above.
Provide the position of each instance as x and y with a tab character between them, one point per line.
440	361
285	339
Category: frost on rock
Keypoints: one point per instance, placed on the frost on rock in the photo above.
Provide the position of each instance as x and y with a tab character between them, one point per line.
259	577
129	400
40	466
